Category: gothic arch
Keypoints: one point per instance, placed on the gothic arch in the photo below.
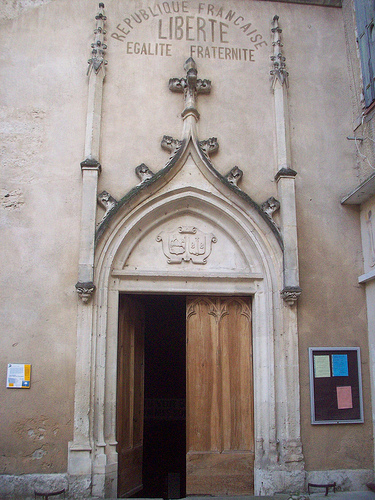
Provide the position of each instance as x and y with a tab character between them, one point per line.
123	265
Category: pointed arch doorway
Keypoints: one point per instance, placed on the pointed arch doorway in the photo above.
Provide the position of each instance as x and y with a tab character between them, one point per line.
196	430
147	243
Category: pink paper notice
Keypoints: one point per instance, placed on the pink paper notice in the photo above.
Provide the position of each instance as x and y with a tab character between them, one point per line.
344	397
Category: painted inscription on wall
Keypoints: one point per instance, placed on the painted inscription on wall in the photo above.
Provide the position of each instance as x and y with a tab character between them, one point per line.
205	27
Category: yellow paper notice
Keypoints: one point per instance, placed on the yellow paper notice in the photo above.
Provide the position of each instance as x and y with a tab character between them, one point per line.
322	366
27	373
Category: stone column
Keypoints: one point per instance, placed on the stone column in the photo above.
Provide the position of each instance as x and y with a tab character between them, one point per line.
291	460
80	449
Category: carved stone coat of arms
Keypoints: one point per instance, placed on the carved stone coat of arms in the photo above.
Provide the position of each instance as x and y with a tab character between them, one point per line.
186	243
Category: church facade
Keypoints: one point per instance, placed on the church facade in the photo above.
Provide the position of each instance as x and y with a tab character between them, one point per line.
187	211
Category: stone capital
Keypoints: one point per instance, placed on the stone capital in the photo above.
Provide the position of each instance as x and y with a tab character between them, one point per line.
285	172
91	164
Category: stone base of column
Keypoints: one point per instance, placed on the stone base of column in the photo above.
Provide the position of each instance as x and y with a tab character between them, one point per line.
79	470
79	486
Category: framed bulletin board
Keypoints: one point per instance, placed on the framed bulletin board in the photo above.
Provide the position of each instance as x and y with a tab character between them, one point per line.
335	385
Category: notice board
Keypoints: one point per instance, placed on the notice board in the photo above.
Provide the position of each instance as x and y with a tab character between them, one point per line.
335	385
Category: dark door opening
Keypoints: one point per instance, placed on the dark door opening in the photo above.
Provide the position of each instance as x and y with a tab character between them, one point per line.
164	426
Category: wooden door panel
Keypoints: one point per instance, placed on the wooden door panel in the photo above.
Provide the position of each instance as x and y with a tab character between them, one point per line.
226	473
130	395
202	358
220	422
236	368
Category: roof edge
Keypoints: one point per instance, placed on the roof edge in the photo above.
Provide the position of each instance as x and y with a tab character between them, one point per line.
320	3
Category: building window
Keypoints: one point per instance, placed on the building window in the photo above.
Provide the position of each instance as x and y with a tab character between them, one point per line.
365	14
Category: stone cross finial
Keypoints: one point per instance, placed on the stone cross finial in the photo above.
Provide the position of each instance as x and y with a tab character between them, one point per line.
98	46
191	86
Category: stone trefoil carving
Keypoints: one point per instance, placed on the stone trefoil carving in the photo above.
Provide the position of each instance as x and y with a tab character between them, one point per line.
186	243
98	46
278	71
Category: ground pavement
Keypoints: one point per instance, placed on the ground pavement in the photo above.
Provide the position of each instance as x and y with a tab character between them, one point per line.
339	495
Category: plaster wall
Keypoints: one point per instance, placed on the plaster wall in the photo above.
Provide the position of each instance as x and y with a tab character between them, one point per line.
43	104
332	311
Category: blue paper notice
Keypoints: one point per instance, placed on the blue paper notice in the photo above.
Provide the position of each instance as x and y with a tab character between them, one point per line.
340	365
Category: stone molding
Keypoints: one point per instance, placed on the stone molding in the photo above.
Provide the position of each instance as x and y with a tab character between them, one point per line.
345	479
24	485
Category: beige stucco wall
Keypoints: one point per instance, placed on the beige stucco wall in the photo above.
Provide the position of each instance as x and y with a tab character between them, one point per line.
332	310
43	102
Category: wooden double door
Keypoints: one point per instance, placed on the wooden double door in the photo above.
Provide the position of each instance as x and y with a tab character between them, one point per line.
219	448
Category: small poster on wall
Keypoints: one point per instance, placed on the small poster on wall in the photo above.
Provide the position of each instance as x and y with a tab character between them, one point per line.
335	385
18	376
